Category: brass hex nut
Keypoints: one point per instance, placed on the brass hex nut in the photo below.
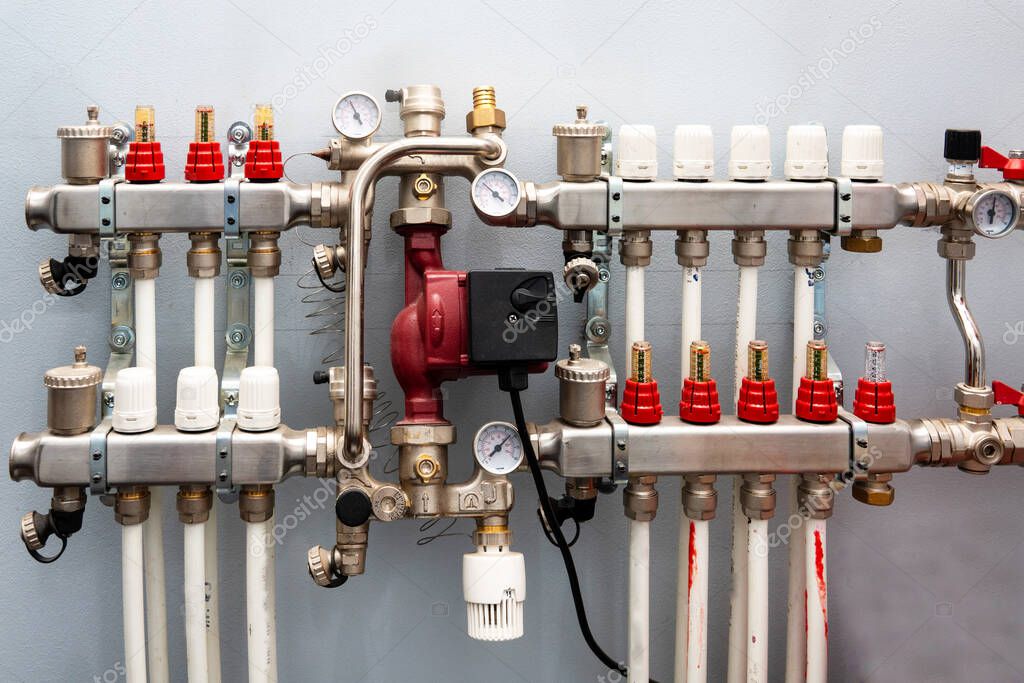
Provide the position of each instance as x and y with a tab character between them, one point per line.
873	493
485	117
861	244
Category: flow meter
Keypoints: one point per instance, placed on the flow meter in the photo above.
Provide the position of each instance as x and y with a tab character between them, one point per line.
356	115
992	213
495	193
497	447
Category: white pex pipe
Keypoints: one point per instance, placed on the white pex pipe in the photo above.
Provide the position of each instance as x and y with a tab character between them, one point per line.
639	531
134	610
796	626
212	598
204	306
260	601
691	656
152	529
815	570
263	321
195	602
757	599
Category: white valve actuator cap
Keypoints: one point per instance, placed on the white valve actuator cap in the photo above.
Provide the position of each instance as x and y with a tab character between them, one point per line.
134	400
693	153
494	587
806	152
637	154
863	152
259	401
197	408
750	153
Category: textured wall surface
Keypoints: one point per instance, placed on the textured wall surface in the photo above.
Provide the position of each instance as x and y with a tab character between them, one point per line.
929	589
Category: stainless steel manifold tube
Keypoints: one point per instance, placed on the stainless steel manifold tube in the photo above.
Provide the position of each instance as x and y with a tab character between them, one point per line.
488	146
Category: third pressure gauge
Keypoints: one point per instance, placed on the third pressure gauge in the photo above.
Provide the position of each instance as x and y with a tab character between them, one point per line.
495	193
356	115
993	213
497	447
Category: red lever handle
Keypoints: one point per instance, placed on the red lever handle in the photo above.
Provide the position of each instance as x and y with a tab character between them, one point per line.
1013	169
1008	396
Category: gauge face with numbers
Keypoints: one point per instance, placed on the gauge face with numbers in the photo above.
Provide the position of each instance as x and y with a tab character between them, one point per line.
994	214
497	447
356	115
495	192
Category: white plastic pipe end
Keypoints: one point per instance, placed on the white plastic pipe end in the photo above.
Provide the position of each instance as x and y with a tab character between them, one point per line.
806	152
637	154
863	152
134	400
259	401
197	408
750	153
693	153
494	587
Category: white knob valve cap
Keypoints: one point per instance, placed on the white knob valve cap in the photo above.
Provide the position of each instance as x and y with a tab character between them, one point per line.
863	152
197	408
750	153
134	401
806	153
259	402
693	153
637	154
494	587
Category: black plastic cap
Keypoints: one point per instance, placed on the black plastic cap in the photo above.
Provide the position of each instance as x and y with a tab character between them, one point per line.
353	508
962	144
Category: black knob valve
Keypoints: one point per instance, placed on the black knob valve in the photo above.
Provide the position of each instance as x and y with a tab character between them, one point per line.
353	508
962	145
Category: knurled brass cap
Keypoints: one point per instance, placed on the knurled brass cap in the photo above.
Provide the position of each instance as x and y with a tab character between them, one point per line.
318	560
29	532
577	368
77	376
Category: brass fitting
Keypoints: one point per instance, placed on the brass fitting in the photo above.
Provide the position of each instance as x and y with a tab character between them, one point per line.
692	248
749	248
640	499
131	506
423	187
256	503
581	488
757	496
816	498
485	117
193	504
635	248
203	258
874	490
264	256
805	248
492	531
350	551
936	204
144	255
862	242
699	496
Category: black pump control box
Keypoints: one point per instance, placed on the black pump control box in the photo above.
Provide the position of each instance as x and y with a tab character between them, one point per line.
513	317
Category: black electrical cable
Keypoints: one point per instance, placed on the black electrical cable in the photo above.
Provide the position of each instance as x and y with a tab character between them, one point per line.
563	547
337	289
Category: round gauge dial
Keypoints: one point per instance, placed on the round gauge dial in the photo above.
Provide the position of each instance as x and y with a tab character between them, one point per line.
497	447
994	214
495	192
356	115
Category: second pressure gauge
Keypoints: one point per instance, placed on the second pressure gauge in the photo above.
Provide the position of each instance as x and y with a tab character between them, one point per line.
497	447
495	193
356	115
993	213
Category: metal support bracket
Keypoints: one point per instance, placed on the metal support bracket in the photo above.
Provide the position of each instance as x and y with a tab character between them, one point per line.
122	328
107	215
615	218
98	458
598	328
225	487
620	446
232	202
844	206
860	448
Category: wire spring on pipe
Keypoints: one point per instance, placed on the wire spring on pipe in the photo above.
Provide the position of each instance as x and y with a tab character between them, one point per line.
327	314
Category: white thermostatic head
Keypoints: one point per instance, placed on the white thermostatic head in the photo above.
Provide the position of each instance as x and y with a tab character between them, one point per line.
863	153
259	402
806	153
693	153
750	153
637	154
494	587
197	408
134	401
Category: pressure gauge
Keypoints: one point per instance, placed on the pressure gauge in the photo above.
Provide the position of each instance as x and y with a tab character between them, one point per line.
993	213
497	447
495	193
356	115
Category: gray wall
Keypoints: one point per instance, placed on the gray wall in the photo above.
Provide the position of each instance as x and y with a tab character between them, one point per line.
926	590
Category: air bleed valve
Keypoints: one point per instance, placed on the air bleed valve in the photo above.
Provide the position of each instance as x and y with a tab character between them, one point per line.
205	163
641	403
699	402
816	398
758	401
145	160
874	401
263	160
